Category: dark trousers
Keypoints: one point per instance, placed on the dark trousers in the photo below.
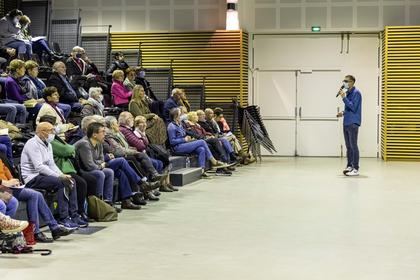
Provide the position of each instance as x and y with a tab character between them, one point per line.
350	136
66	207
81	192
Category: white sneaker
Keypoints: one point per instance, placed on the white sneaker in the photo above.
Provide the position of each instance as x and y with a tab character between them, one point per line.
354	172
347	170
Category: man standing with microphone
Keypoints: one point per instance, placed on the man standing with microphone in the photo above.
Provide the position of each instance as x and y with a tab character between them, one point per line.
352	99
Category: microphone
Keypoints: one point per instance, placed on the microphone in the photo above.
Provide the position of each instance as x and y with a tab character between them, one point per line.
342	87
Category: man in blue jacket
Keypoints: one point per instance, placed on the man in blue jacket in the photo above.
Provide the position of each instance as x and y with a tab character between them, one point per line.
352	99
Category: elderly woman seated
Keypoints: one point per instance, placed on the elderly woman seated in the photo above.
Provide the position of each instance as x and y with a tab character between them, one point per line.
158	156
185	144
94	105
119	92
138	106
50	108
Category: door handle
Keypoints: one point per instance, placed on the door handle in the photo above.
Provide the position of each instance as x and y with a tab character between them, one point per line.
296	112
300	112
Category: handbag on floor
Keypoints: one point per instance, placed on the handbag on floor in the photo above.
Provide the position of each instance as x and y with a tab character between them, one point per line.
101	211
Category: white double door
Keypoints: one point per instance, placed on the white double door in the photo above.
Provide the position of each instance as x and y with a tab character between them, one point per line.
299	109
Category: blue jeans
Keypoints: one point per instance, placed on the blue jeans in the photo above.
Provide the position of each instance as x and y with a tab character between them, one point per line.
10	207
35	207
21	47
66	208
6	148
104	183
198	147
350	136
226	145
76	106
126	175
15	112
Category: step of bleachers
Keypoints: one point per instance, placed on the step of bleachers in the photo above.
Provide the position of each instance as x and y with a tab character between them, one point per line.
178	162
184	176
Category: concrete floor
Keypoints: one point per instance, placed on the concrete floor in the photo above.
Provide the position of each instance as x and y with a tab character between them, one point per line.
284	219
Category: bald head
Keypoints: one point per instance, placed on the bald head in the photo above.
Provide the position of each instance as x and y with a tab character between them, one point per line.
43	129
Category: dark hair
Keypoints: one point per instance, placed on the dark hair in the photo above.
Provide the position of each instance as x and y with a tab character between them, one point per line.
48	92
174	113
48	118
93	128
218	111
351	78
14	13
117	54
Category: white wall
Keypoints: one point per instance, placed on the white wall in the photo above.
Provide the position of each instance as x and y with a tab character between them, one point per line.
147	15
331	15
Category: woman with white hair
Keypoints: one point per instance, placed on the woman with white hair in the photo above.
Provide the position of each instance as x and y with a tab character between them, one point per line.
94	105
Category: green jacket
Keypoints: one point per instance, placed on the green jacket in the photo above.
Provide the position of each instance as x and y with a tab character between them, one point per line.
63	153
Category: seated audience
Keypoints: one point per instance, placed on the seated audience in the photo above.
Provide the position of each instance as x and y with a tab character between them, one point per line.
181	143
50	108
171	103
156	129
91	157
117	64
94	105
155	105
6	54
39	171
221	146
10	35
68	94
35	86
36	205
119	92
14	112
183	101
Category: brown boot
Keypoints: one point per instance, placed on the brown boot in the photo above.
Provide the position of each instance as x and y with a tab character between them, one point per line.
127	204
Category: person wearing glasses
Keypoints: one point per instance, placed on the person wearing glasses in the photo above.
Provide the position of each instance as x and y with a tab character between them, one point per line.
352	114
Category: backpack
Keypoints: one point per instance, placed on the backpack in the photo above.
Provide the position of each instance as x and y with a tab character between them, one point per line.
101	211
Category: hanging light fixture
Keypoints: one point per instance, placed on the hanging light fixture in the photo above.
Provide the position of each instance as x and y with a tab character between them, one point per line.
232	18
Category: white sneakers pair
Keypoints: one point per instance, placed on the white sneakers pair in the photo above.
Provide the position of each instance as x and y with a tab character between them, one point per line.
350	171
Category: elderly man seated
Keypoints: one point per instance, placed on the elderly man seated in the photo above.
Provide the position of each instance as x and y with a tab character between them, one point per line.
39	171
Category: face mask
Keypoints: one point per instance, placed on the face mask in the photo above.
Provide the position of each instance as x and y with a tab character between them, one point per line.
346	85
57	130
142	74
50	138
183	117
78	55
15	21
101	98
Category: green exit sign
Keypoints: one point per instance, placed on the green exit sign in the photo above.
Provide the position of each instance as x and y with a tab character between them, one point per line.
316	28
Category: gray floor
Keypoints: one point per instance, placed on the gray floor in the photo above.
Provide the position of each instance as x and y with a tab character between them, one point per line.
284	219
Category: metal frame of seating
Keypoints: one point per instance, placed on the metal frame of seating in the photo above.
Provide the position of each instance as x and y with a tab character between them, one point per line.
161	81
38	12
97	46
131	56
65	32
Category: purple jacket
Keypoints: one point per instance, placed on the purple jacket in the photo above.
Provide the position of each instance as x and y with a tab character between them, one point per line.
132	139
14	91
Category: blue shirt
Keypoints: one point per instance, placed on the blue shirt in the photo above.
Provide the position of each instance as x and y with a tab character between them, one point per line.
176	134
353	107
169	105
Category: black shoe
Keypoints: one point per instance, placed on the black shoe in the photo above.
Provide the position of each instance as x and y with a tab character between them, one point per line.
84	217
42	238
150	196
156	192
61	231
138	199
149	186
127	204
